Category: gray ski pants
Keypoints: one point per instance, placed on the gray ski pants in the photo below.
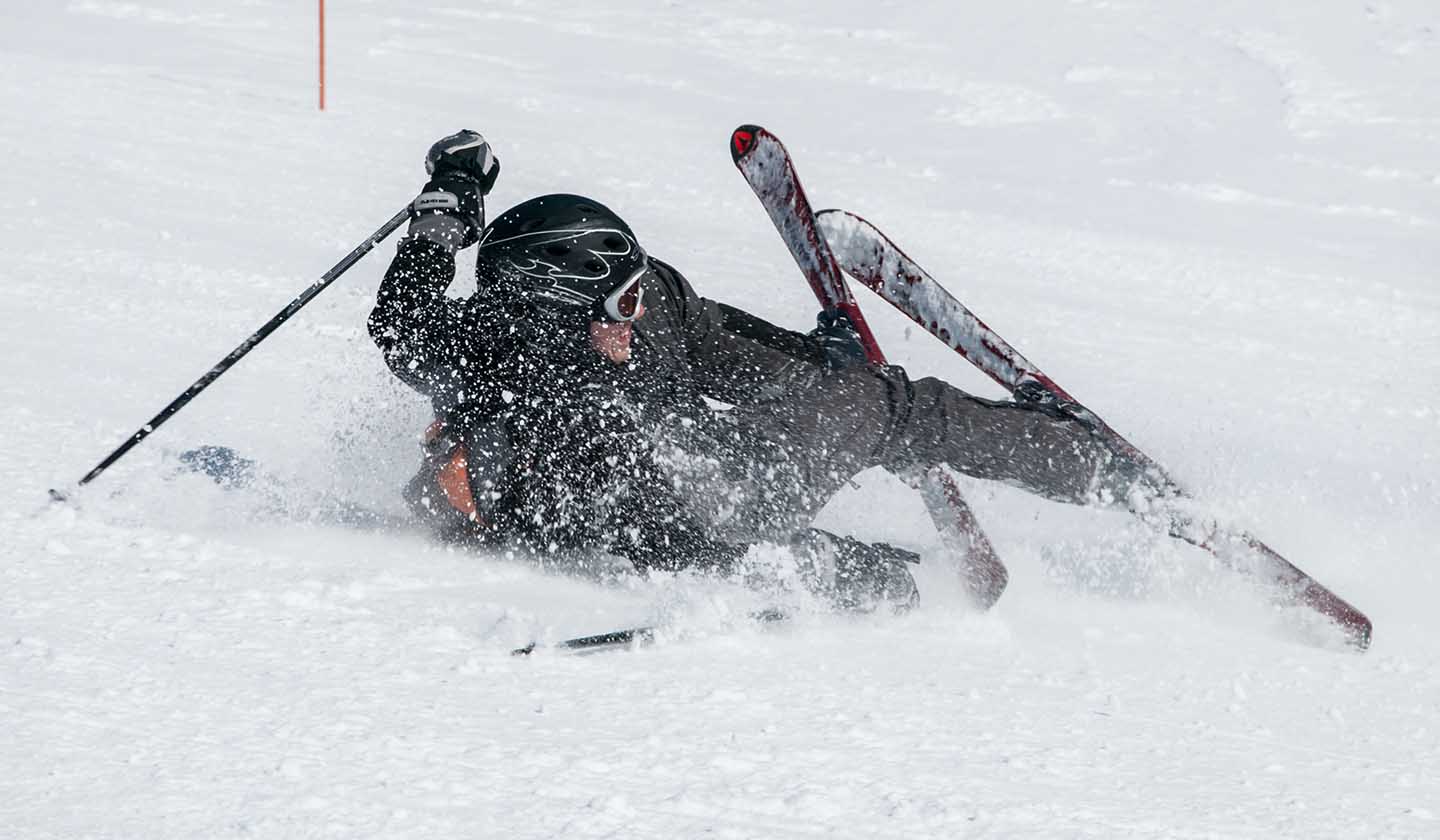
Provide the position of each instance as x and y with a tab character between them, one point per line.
773	465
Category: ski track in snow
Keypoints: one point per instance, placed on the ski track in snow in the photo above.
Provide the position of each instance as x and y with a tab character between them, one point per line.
1215	223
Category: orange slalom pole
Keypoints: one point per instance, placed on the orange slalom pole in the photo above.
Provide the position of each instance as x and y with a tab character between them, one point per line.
322	55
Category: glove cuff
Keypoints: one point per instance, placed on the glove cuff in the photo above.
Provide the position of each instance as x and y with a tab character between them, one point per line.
446	231
439	201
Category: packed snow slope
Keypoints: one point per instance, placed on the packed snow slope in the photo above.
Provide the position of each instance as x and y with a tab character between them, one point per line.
1217	222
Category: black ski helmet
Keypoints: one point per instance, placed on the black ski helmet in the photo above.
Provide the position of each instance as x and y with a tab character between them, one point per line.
566	249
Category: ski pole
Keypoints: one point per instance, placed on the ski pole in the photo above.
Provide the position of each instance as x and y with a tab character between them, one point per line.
629	636
615	638
245	347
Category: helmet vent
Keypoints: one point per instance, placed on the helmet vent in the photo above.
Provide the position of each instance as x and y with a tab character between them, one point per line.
614	243
557	250
594	265
532	224
587	208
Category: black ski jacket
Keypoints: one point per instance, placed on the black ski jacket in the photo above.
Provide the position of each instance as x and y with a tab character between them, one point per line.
576	433
584	452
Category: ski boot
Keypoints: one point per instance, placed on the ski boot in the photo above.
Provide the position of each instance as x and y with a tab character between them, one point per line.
860	577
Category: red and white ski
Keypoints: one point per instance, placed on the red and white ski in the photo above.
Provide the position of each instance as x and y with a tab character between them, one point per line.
766	165
869	256
762	159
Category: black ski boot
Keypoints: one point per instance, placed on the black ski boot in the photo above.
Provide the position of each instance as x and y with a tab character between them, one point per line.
860	577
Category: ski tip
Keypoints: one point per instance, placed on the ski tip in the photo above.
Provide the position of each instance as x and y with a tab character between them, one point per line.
742	140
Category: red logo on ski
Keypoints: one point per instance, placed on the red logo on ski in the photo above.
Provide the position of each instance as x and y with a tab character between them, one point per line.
742	141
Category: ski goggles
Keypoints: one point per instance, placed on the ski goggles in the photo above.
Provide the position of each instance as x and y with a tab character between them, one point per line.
624	303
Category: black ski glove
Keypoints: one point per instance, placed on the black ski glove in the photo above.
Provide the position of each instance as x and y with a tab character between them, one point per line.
450	209
1035	396
840	344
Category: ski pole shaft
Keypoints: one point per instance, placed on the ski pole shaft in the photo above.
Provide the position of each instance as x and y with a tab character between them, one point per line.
630	636
615	638
247	345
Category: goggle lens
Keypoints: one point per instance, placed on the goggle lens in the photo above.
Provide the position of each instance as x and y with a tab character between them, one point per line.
623	303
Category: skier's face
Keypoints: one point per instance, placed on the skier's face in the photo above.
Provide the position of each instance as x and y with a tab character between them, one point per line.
610	331
611	339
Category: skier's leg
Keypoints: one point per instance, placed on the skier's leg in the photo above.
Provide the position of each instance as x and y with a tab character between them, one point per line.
862	417
766	469
1053	455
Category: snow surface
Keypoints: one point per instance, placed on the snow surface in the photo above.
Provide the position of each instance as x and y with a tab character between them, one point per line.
1217	222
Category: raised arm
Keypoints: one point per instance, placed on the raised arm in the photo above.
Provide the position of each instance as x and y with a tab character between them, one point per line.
420	330
415	325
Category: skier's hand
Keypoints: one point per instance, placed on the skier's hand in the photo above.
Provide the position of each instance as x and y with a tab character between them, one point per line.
450	209
466	156
839	342
1033	395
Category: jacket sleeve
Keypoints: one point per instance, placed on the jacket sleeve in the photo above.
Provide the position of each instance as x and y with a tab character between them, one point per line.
794	344
418	328
739	359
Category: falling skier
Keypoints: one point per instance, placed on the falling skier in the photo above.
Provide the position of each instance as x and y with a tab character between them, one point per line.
587	397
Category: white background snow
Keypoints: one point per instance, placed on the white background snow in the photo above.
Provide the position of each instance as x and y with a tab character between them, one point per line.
1217	222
